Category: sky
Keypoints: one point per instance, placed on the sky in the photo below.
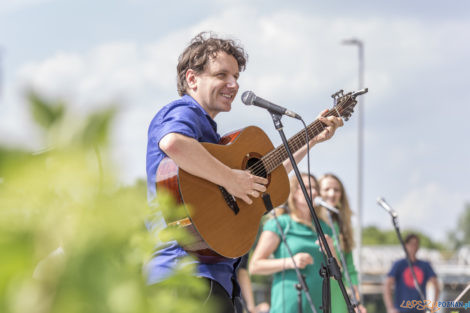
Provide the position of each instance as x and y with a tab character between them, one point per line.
93	53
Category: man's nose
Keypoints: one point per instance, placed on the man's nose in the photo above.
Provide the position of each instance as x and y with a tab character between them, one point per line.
232	83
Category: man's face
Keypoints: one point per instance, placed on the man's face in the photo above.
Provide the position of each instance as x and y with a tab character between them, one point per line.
216	87
412	247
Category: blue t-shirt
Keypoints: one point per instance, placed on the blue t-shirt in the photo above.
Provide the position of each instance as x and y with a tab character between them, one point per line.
404	285
184	116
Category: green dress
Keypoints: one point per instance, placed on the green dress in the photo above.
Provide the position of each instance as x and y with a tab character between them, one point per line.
300	238
338	305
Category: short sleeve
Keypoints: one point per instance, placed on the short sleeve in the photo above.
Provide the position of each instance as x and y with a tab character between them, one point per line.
181	119
393	271
430	271
271	225
351	268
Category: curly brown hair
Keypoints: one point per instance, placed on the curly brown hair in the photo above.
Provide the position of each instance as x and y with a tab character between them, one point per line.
344	218
200	50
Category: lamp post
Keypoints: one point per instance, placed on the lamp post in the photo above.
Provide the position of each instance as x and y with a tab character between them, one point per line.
360	145
1	73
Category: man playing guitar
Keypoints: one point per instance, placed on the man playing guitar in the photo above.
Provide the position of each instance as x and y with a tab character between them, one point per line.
208	71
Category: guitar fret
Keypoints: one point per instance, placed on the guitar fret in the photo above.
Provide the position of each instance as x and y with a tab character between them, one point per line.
275	158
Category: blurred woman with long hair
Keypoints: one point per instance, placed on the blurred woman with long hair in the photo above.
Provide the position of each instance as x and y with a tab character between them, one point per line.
301	238
332	191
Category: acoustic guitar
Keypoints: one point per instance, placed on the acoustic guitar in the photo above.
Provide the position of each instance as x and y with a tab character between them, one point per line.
221	225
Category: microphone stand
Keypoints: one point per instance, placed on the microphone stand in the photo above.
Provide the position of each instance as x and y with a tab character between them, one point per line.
341	256
415	280
331	269
301	278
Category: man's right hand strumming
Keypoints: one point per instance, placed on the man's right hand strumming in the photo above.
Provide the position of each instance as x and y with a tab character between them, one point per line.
191	156
243	185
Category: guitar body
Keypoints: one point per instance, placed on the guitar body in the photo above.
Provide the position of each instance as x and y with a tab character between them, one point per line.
219	229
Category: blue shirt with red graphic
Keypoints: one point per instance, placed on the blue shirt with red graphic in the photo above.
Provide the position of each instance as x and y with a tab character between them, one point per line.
404	286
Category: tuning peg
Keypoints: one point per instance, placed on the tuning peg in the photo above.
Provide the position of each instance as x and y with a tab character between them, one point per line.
337	94
360	92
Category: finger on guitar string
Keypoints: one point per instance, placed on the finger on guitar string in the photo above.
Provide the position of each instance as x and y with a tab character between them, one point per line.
331	124
259	184
257	179
332	121
242	183
260	180
323	113
259	187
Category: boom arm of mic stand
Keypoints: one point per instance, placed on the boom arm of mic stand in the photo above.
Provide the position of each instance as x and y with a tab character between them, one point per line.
332	264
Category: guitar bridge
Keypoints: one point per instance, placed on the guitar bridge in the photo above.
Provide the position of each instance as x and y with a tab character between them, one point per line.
230	200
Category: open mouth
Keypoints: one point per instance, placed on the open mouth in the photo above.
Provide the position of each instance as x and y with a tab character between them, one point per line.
227	96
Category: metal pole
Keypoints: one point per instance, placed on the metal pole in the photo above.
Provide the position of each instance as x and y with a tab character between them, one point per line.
360	149
1	73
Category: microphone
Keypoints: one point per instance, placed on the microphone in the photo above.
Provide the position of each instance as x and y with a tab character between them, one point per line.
318	201
388	208
249	98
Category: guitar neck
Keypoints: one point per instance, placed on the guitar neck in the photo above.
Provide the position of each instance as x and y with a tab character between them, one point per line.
277	156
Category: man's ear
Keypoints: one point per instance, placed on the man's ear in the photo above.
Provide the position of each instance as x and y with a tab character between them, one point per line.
192	79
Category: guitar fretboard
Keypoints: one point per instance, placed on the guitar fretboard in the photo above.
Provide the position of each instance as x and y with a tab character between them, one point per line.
277	156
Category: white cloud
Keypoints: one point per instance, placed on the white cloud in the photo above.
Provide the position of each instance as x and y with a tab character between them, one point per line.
122	71
293	52
431	208
294	56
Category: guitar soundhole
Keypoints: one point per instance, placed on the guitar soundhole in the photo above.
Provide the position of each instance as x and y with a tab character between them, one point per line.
256	167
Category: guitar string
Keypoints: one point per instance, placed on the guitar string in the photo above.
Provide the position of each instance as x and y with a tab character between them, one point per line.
274	157
296	142
269	161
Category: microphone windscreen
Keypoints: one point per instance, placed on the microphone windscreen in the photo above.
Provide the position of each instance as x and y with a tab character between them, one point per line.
317	201
248	97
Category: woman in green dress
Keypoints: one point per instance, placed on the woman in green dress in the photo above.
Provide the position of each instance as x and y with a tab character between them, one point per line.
301	238
332	191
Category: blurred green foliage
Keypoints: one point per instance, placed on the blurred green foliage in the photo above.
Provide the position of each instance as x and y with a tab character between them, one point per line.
461	235
72	239
372	235
45	113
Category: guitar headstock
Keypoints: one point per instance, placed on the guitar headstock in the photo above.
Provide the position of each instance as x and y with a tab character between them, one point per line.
345	103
